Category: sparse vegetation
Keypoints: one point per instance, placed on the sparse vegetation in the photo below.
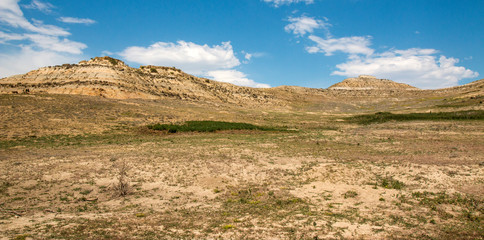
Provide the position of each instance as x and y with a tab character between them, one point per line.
206	126
381	117
329	178
113	61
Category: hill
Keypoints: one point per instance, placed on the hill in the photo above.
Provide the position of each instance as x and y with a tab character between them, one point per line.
365	82
111	78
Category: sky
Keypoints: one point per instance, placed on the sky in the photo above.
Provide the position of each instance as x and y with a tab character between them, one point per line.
257	43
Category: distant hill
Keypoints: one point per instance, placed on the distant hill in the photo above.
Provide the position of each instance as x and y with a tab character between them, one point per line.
365	82
111	78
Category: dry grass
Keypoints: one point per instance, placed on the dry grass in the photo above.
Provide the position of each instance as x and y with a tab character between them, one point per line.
325	178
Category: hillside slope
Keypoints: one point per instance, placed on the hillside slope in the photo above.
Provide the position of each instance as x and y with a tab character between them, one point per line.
111	78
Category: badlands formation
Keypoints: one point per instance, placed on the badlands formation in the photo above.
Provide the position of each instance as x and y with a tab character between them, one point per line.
111	78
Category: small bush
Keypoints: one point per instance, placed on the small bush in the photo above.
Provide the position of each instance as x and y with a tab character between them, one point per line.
153	70
122	187
350	194
228	226
4	187
391	183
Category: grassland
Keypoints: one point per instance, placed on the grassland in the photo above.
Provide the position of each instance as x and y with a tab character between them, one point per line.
330	176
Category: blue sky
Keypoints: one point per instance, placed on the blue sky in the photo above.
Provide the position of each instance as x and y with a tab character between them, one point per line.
257	43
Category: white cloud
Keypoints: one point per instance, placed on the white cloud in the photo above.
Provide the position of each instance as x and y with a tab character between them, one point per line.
216	62
302	25
235	77
107	53
32	44
11	14
349	45
28	59
86	21
415	66
188	56
55	44
41	6
5	37
277	3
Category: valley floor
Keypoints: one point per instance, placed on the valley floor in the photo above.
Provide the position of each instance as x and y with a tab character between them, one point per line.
322	177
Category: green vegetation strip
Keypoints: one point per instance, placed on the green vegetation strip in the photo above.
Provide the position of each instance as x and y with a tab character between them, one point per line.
206	126
382	117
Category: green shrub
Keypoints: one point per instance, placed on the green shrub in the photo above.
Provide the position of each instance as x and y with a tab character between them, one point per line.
391	183
113	61
205	126
381	117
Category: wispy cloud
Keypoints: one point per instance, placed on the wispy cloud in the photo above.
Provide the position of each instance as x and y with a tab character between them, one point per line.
349	45
39	5
12	16
86	21
304	24
277	3
45	44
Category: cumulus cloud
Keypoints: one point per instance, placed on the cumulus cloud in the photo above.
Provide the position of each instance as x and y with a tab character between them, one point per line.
216	62
304	24
277	3
415	66
235	77
86	21
349	45
190	57
28	59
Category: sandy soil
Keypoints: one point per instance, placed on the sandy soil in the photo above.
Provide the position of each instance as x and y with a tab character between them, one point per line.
326	178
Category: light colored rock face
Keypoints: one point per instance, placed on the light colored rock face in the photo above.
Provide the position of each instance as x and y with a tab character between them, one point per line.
111	78
366	82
